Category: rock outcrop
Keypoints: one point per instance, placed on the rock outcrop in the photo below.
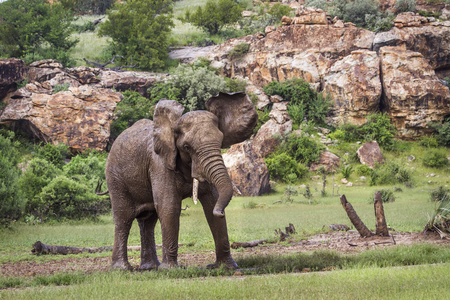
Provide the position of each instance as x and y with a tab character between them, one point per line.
328	160
247	169
370	154
269	136
12	70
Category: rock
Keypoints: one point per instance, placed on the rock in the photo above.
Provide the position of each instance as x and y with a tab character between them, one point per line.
327	159
349	184
269	29
354	85
85	75
363	178
47	63
269	136
263	99
409	19
411	158
344	180
247	13
370	154
247	169
127	80
413	94
276	98
79	117
279	112
12	70
339	24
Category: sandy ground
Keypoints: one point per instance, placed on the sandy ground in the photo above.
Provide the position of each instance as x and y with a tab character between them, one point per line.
342	242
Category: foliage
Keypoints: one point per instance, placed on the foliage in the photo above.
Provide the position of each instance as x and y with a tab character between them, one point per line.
214	15
234	85
263	117
363	170
36	29
278	10
281	165
304	102
387	196
239	51
390	173
401	6
440	193
196	85
139	30
302	148
257	23
94	7
440	220
307	194
11	201
55	154
428	142
346	171
88	168
442	132
435	159
60	88
289	194
132	108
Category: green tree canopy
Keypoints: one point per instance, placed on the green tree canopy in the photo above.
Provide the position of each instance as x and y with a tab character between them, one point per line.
139	30
214	15
31	26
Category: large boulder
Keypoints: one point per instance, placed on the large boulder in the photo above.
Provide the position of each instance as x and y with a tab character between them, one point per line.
12	70
79	117
328	160
413	94
247	169
354	86
44	70
370	154
269	136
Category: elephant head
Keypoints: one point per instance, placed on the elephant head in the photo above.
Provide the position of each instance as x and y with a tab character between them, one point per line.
193	141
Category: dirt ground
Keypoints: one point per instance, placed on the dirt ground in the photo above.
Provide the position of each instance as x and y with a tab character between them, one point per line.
342	242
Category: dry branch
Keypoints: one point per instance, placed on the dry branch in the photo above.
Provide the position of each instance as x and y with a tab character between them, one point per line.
281	237
356	221
381	227
103	66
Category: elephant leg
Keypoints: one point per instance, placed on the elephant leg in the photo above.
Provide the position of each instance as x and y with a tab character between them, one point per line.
119	255
149	259
170	227
219	231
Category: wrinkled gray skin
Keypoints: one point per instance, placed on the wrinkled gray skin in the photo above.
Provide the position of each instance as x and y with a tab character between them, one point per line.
150	170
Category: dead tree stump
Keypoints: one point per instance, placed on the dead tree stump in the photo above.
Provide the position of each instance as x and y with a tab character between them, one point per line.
356	221
381	227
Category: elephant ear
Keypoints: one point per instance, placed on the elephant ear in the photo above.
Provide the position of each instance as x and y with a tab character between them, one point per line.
237	116
167	113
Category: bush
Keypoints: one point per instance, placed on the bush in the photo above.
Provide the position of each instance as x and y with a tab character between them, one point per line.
235	85
214	15
304	102
94	7
289	194
65	198
282	165
435	159
346	171
139	31
442	132
356	11
386	196
55	154
132	108
390	173
88	168
428	142
303	149
278	10
263	117
439	194
401	6
11	200
239	51
363	170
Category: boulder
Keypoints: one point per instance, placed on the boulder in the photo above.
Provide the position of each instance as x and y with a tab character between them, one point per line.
12	70
327	159
43	70
269	136
354	86
279	112
413	94
370	154
247	169
79	117
127	80
409	19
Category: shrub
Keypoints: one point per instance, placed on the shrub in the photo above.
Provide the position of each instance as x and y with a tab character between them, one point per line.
279	10
132	108
390	173
239	51
304	102
303	149
338	134
263	117
282	165
379	128
428	142
401	6
356	11
440	220
60	87
363	170
88	168
11	200
289	194
235	85
439	194
214	15
435	159
442	132
346	171
55	154
139	31
386	196
94	7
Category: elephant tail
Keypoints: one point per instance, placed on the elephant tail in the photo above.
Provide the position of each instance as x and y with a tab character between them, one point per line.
99	188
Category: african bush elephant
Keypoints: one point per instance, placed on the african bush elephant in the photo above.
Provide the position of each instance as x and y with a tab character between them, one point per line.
153	165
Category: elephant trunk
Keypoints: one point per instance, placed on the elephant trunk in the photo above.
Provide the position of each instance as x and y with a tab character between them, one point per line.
216	173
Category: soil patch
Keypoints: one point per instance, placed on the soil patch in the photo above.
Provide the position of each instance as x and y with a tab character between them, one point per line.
342	242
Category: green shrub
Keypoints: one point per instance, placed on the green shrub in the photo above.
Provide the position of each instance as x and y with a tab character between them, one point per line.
304	102
435	159
94	7
356	11
379	128
346	171
239	51
139	31
235	85
428	142
303	149
439	194
55	154
289	194
363	170
214	15
263	117
442	132
386	196
163	90
65	198
60	87
338	134
132	108
390	173
429	13
279	10
11	200
88	168
401	6
282	165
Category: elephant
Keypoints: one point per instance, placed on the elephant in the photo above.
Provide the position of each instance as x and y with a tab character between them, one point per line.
153	165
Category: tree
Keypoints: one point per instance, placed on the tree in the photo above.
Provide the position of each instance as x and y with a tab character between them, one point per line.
35	27
214	15
139	30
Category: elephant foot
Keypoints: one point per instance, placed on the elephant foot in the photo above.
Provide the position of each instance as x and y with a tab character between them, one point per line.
125	266
149	266
228	263
167	266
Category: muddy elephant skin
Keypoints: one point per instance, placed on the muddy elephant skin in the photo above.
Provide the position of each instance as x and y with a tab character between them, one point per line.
151	168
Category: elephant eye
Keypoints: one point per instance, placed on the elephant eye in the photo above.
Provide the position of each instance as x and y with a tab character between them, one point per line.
186	147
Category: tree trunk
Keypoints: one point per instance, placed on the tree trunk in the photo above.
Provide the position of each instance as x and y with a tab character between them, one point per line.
356	221
381	229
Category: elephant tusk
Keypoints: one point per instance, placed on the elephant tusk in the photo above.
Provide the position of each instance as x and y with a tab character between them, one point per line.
195	191
236	189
